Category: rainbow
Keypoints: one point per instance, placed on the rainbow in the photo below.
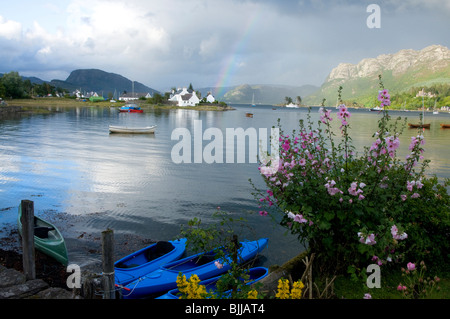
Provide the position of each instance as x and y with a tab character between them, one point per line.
233	60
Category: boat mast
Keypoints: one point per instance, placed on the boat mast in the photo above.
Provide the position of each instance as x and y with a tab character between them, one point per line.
423	108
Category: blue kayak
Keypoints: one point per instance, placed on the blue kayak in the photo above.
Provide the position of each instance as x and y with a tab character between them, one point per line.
255	274
146	260
202	264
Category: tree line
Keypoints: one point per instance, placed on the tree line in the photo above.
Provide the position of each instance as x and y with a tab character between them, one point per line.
13	86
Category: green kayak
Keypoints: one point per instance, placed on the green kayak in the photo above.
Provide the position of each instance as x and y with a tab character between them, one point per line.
47	239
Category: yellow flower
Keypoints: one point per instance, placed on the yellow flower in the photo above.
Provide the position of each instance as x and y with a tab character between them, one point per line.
252	294
296	292
283	289
182	284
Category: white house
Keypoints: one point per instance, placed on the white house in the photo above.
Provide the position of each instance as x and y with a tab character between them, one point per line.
134	96
210	98
184	97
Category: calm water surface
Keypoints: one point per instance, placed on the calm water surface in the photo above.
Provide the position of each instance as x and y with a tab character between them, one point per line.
70	165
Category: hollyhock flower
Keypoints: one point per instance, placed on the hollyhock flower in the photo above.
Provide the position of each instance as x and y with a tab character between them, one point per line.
218	265
411	266
263	213
367	296
401	288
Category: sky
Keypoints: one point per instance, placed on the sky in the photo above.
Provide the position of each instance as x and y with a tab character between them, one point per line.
211	43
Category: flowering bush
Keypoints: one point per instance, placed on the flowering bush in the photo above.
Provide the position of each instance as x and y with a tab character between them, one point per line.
349	208
284	292
416	285
190	289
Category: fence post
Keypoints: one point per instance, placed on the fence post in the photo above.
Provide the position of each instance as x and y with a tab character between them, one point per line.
27	220
108	264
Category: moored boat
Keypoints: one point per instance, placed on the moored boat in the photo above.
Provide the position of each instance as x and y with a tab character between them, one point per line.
254	275
147	259
132	130
425	125
130	108
249	114
443	125
204	265
47	238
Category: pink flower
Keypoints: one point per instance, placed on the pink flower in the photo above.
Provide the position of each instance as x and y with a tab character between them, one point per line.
411	266
367	296
401	288
263	213
218	265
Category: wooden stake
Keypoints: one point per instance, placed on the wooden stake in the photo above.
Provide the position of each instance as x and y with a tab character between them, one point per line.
108	264
28	258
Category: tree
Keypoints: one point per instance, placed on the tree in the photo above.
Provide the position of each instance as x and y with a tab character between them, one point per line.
299	100
288	100
13	85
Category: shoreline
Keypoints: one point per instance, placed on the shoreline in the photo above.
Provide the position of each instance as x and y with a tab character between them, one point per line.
40	105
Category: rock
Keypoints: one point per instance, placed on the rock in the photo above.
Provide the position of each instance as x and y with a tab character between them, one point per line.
11	277
29	288
54	293
434	57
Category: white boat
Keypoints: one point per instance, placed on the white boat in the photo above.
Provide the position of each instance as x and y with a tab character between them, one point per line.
132	130
292	105
376	108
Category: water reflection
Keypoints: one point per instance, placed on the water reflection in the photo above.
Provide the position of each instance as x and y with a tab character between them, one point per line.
68	162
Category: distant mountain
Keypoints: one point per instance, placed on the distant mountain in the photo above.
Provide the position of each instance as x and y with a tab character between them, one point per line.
264	93
400	72
101	82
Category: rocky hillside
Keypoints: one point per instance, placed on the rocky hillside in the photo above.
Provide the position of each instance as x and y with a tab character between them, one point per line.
400	71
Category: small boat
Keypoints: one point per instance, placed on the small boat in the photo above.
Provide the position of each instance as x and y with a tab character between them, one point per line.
147	259
255	274
376	108
204	265
292	105
47	238
130	108
249	114
445	125
132	130
425	125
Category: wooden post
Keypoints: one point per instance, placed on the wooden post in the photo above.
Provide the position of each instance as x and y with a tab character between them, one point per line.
235	260
28	258
108	264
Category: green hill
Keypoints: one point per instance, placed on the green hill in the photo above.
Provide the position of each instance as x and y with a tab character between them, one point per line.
400	72
100	81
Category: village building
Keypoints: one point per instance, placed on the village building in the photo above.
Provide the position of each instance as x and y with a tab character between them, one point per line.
210	98
425	94
184	97
134	96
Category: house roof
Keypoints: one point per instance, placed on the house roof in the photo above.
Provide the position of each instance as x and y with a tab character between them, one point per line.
186	97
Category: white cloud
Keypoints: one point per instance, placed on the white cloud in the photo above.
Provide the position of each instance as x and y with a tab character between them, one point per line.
10	30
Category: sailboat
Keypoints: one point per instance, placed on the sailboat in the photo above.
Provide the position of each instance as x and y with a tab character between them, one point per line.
434	108
421	125
253	100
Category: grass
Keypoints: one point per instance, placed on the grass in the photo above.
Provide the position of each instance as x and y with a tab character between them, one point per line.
349	289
